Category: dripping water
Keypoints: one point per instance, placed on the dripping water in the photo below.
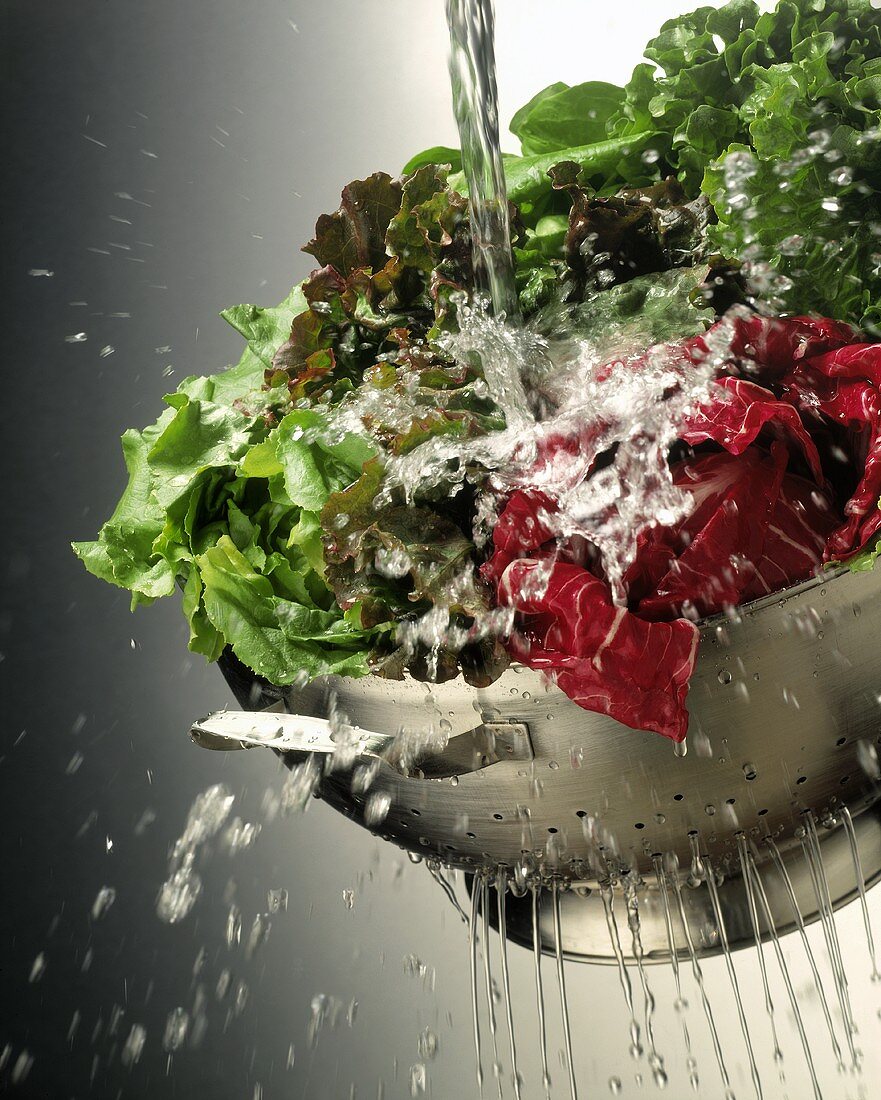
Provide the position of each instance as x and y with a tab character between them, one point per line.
732	974
501	891
861	887
624	977
690	1063
800	924
561	983
811	849
487	975
757	936
656	1062
539	992
699	981
441	879
475	1008
753	879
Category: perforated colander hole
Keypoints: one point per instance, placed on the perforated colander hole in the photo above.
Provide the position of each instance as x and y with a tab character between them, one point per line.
450	847
844	780
416	813
470	836
841	741
730	801
692	832
498	817
678	797
551	829
802	779
762	813
639	825
581	813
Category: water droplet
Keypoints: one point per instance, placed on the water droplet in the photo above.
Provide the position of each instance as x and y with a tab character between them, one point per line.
709	809
38	967
258	935
749	771
615	1086
176	1026
724	676
349	899
76	338
418	1079
134	1046
105	897
377	807
427	1044
660	818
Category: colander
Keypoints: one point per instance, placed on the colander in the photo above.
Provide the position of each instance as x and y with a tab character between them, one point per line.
781	760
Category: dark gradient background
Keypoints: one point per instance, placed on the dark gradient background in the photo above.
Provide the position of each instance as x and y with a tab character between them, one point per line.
164	160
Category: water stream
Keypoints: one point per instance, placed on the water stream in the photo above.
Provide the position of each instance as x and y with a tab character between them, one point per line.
475	102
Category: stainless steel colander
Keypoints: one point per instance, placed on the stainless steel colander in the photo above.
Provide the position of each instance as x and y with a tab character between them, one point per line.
785	709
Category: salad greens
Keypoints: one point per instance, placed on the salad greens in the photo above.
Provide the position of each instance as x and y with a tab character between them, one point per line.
742	163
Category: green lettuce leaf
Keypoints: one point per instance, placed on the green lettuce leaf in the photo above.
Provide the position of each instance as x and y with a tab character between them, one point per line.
561	117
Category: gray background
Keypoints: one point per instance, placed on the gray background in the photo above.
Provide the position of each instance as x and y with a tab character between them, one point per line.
163	161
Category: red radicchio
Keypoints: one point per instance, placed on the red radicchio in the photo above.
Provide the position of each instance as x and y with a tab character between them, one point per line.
756	525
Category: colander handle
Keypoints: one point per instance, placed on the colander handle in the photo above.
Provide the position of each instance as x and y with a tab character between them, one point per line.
276	729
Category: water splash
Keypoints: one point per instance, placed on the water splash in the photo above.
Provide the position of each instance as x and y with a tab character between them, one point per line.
179	892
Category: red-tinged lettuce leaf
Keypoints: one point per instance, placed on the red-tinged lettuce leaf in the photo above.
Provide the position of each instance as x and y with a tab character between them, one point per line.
738	411
843	388
354	236
605	658
394	558
612	239
803	519
717	565
432	218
